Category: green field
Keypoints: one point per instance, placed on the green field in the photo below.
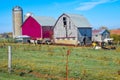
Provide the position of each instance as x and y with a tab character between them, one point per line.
48	62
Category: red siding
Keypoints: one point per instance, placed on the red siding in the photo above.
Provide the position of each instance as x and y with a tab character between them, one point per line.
117	32
32	28
47	32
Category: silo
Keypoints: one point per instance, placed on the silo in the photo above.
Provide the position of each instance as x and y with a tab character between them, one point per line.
17	14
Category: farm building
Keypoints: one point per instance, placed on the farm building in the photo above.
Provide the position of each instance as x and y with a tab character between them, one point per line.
100	35
22	39
72	29
38	27
115	32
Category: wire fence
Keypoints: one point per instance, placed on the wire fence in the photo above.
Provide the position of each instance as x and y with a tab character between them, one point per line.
50	61
27	58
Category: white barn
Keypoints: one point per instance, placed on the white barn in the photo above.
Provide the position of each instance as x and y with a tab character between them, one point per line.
72	29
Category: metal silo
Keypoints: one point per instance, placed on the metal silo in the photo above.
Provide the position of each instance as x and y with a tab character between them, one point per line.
17	13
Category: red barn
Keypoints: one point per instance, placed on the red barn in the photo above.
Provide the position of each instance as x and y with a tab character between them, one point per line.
38	27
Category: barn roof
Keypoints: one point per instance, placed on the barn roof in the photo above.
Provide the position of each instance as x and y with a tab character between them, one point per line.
79	20
117	32
99	31
43	20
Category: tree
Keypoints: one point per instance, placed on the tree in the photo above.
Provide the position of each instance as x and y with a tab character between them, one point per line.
103	27
115	37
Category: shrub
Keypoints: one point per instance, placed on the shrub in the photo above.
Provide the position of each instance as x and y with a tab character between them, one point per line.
115	37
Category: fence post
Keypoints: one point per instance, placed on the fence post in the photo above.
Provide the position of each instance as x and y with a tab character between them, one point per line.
68	53
9	59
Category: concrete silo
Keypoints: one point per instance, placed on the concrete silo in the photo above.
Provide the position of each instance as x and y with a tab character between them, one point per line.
17	14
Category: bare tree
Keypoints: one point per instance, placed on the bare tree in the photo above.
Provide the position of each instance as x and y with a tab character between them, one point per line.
103	27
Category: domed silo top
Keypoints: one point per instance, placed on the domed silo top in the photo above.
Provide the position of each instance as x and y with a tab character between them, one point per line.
29	14
17	8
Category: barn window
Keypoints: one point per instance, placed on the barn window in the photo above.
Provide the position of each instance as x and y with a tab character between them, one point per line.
68	38
96	35
73	38
64	18
64	21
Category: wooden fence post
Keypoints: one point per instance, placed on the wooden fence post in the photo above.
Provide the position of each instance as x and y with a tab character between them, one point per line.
68	53
9	59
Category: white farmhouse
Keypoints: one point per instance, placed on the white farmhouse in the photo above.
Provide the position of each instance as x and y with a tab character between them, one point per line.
100	35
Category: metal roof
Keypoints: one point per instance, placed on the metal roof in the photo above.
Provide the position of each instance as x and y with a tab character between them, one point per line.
17	8
22	36
117	31
100	31
44	20
79	20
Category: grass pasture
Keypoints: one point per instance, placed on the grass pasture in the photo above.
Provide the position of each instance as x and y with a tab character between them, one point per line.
48	62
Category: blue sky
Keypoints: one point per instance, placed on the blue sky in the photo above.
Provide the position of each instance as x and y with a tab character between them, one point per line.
98	12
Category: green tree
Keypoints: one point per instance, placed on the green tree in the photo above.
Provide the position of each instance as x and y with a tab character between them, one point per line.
115	37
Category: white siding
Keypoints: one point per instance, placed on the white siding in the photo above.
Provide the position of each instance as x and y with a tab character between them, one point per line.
73	23
96	37
59	29
100	36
